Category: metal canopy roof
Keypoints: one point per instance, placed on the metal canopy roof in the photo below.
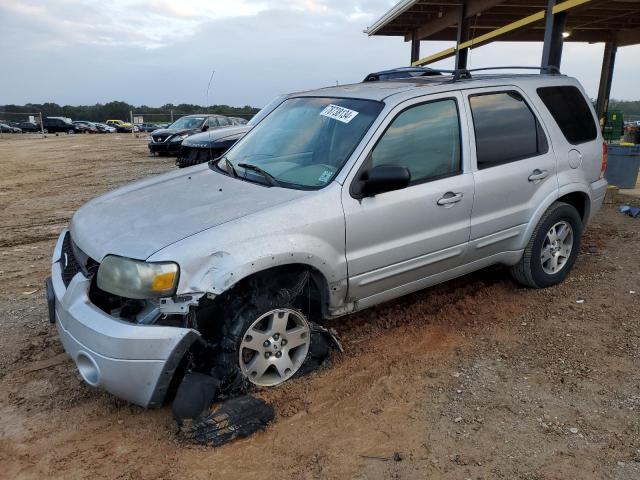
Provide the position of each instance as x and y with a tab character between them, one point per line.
588	21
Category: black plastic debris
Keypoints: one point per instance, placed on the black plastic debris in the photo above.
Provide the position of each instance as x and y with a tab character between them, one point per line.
238	417
323	341
194	397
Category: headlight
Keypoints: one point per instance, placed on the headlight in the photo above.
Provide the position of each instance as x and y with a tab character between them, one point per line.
179	138
136	279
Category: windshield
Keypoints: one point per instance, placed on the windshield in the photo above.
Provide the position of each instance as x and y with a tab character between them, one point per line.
270	107
187	122
305	141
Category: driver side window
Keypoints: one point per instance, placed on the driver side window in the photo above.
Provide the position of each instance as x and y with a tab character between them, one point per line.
425	139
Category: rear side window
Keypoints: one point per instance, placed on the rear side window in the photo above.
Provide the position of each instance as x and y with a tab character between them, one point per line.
506	129
571	112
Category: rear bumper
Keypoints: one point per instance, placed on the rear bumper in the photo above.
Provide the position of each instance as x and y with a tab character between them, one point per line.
598	191
133	362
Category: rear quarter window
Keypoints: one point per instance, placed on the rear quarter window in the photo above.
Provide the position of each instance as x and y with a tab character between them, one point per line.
571	112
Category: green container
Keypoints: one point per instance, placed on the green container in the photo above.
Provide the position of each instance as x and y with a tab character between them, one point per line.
613	126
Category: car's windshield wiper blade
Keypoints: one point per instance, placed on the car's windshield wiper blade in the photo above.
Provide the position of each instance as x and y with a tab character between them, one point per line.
270	178
229	166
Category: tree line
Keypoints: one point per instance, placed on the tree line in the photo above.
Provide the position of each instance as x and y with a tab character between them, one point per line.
121	111
627	107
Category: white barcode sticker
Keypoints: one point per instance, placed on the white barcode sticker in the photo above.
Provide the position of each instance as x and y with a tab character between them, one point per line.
341	114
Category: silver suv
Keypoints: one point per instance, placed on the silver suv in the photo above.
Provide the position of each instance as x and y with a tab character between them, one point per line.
340	199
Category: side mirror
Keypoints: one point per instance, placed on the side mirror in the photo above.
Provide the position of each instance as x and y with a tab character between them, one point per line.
384	178
205	127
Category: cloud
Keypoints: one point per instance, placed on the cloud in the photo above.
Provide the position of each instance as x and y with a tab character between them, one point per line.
159	51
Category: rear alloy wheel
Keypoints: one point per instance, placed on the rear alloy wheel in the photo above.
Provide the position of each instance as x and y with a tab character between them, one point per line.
556	248
274	347
70	132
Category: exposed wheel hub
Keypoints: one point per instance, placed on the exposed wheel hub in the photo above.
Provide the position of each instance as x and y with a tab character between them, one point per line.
274	347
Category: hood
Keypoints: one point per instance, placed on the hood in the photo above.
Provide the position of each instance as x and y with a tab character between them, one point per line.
205	139
138	220
167	132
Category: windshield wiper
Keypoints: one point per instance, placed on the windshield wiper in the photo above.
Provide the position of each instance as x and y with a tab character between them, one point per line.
270	178
229	166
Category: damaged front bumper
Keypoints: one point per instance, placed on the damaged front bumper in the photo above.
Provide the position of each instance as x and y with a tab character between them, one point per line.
133	362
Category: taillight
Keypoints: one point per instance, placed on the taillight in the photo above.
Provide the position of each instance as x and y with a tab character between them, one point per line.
605	160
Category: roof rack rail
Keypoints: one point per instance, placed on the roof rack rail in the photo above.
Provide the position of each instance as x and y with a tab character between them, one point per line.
402	72
549	68
458	74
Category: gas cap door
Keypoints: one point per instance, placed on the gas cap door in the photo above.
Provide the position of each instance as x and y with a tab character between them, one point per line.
575	158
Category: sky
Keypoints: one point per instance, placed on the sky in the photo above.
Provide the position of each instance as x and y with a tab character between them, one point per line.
154	52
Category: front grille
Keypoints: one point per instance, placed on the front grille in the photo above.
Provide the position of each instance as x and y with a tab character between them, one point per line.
195	156
73	260
68	262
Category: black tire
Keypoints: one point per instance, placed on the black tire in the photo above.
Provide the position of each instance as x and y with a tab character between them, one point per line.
529	271
225	325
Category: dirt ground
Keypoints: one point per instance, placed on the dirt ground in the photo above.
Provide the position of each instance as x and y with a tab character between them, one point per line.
474	379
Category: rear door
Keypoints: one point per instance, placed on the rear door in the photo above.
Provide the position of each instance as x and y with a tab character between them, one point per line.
515	169
395	240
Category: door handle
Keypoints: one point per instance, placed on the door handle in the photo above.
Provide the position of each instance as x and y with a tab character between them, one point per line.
538	175
449	199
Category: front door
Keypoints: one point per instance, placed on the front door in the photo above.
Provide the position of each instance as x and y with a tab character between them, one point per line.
396	239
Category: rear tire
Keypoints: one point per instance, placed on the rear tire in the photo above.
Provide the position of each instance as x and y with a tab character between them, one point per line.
552	249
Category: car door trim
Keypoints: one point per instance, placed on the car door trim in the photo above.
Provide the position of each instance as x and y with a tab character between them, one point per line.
407	266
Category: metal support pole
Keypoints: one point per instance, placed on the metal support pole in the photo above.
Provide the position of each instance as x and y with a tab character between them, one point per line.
553	40
132	130
606	78
463	35
41	125
171	116
415	47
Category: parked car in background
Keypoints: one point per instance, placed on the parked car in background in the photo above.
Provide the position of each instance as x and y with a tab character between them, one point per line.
202	147
60	125
6	128
342	198
87	127
168	141
149	127
238	120
104	128
120	126
27	127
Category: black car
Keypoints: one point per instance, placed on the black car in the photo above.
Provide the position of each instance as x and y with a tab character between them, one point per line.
148	127
207	146
168	141
202	147
59	124
27	126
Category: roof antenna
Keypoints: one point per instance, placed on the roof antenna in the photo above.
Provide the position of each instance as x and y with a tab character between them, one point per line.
213	72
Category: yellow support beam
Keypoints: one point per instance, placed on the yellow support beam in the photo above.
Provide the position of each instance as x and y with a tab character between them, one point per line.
511	27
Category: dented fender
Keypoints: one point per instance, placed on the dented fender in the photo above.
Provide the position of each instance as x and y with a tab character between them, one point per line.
214	260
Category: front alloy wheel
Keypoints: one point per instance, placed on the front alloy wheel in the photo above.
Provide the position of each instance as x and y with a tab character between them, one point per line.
274	347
